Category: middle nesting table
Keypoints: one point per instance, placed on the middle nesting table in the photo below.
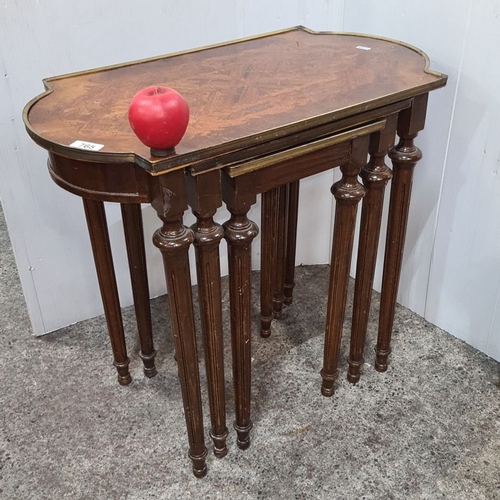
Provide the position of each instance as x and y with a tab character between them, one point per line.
277	176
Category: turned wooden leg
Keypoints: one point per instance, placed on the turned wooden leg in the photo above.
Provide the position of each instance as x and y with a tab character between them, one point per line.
173	239
278	249
404	158
348	192
292	209
134	238
279	260
375	177
99	238
205	198
268	253
239	233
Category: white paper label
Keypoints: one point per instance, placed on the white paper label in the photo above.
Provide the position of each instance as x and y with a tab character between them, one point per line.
87	146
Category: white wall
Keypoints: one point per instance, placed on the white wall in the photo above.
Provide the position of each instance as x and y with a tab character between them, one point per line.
451	272
49	37
465	274
437	28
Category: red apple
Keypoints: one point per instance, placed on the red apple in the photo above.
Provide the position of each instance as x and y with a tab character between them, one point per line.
159	117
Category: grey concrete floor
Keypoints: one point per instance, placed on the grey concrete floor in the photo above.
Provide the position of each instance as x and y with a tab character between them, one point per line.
426	429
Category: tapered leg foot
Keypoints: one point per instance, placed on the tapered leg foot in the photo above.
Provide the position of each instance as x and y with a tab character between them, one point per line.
149	364
220	447
124	377
243	434
265	326
354	372
278	314
199	464
381	360
328	384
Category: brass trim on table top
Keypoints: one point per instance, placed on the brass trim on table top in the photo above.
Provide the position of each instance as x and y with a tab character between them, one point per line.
290	154
328	129
176	162
384	39
158	166
234	42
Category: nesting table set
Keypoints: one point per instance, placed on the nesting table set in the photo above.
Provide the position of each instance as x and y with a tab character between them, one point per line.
266	112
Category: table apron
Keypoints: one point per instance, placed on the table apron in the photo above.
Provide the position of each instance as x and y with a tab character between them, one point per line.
114	182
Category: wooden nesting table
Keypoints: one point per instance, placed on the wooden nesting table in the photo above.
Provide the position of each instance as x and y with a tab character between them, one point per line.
266	112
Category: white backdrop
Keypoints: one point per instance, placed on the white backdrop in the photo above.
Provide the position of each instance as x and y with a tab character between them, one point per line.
451	273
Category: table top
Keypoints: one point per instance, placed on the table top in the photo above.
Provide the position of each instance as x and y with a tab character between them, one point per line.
240	94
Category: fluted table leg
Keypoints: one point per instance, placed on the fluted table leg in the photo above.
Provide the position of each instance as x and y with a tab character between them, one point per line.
404	158
205	198
174	239
279	260
348	192
376	174
278	250
239	233
292	209
134	238
101	248
268	258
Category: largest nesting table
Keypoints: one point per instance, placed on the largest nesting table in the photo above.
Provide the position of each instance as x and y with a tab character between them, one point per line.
266	111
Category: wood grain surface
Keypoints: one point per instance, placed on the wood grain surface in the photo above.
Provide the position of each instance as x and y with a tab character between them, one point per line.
240	94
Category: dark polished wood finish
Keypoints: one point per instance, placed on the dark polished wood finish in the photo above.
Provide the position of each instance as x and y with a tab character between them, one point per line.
376	174
348	192
268	258
240	94
128	185
204	196
280	255
134	238
404	158
241	184
239	234
278	249
265	112
174	239
99	238
292	215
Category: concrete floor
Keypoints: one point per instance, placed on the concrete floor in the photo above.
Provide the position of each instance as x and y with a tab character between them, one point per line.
426	429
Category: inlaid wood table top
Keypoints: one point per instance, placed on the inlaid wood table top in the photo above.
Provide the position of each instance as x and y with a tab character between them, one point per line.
240	94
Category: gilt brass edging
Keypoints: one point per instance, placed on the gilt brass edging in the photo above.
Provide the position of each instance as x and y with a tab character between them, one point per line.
159	166
385	39
175	162
266	161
